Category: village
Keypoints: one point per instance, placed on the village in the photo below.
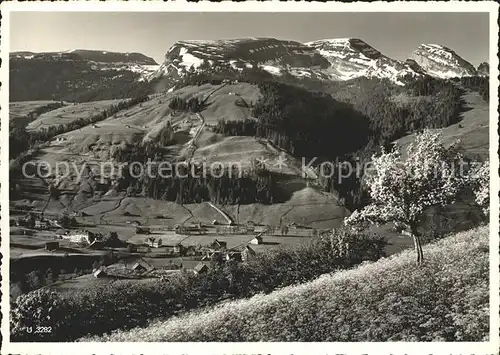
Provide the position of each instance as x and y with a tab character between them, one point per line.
156	252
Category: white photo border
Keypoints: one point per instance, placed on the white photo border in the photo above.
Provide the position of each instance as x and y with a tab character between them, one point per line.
379	348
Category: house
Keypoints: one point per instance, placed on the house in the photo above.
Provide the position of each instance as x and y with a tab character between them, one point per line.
96	245
98	273
257	240
178	248
42	224
142	230
234	255
218	245
51	245
230	229
134	223
248	254
200	268
189	250
80	236
196	229
142	265
153	242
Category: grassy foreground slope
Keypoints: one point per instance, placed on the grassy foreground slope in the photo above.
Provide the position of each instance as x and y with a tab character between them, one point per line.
390	300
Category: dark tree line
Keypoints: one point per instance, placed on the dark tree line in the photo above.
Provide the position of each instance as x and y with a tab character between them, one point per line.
308	124
189	183
246	127
480	84
194	104
72	79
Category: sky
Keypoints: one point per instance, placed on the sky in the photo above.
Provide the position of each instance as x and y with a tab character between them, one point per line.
396	35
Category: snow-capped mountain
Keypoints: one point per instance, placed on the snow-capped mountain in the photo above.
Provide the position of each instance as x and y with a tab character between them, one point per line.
336	59
272	55
98	60
351	58
442	62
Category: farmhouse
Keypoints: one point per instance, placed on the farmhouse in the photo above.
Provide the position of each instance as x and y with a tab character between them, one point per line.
218	245
231	229
200	268
96	245
195	229
51	245
142	230
248	254
99	272
142	265
257	240
80	236
234	255
153	242
42	224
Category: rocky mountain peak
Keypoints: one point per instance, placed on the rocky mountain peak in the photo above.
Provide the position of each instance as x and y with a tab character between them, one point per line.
442	62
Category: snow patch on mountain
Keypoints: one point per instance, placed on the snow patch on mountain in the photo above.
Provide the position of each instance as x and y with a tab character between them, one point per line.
351	58
188	59
442	62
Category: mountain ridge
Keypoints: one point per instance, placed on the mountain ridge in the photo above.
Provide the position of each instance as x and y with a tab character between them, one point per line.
335	59
88	54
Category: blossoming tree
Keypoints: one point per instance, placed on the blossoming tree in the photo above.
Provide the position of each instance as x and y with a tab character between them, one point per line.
481	182
403	184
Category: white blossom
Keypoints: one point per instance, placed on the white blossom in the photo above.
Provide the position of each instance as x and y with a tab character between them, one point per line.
401	188
481	182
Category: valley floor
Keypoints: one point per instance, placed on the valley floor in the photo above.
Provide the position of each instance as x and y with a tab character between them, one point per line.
392	299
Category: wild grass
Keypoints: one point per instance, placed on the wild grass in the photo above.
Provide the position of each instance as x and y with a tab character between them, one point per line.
446	299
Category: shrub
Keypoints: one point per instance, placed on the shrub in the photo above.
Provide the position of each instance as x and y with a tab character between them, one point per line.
40	308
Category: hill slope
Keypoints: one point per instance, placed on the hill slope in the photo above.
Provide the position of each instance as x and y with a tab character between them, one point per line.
389	300
472	130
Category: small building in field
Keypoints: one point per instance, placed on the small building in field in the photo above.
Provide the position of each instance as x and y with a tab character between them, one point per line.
195	229
200	268
51	245
218	245
234	255
79	236
189	250
178	248
153	242
142	230
42	224
142	265
99	272
248	254
97	245
257	240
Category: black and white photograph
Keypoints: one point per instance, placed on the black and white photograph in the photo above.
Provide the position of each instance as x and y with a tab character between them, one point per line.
250	174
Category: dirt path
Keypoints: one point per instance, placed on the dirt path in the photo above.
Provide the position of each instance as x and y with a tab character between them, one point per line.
224	214
118	205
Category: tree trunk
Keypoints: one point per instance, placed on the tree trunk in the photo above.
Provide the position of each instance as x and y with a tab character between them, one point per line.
418	245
